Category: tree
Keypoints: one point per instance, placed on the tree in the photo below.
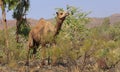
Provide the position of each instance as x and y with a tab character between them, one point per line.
76	21
4	21
19	7
20	15
72	36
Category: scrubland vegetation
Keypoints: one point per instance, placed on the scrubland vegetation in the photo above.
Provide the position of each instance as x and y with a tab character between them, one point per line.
78	48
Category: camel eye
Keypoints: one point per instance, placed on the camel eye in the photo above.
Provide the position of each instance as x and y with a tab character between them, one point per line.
61	13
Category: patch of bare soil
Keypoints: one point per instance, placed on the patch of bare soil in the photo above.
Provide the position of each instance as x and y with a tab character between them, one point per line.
35	66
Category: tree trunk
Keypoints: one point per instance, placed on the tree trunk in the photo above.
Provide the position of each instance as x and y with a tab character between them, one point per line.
18	21
17	31
4	21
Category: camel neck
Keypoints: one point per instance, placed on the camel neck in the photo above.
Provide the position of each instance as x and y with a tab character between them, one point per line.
58	26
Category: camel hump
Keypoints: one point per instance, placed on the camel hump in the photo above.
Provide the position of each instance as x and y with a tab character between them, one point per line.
42	19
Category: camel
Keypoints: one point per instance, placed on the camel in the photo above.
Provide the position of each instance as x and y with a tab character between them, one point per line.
45	32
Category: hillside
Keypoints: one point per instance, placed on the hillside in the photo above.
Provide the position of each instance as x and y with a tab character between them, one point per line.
115	18
93	21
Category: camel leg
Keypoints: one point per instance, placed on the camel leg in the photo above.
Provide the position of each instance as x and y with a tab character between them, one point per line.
43	57
29	46
34	54
43	53
28	56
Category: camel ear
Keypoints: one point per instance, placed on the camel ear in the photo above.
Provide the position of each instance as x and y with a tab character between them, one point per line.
57	13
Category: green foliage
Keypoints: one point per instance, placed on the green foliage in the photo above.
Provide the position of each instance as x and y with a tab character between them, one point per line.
115	32
10	4
17	51
72	34
19	7
19	14
1	38
24	28
2	43
106	22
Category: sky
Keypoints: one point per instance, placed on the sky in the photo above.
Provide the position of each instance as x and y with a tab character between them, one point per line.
46	8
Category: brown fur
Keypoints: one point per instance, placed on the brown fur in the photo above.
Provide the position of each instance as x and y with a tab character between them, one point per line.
45	32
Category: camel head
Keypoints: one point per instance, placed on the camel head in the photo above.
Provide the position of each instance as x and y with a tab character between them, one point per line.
62	14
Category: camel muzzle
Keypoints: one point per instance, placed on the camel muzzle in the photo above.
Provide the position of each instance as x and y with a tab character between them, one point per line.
67	13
